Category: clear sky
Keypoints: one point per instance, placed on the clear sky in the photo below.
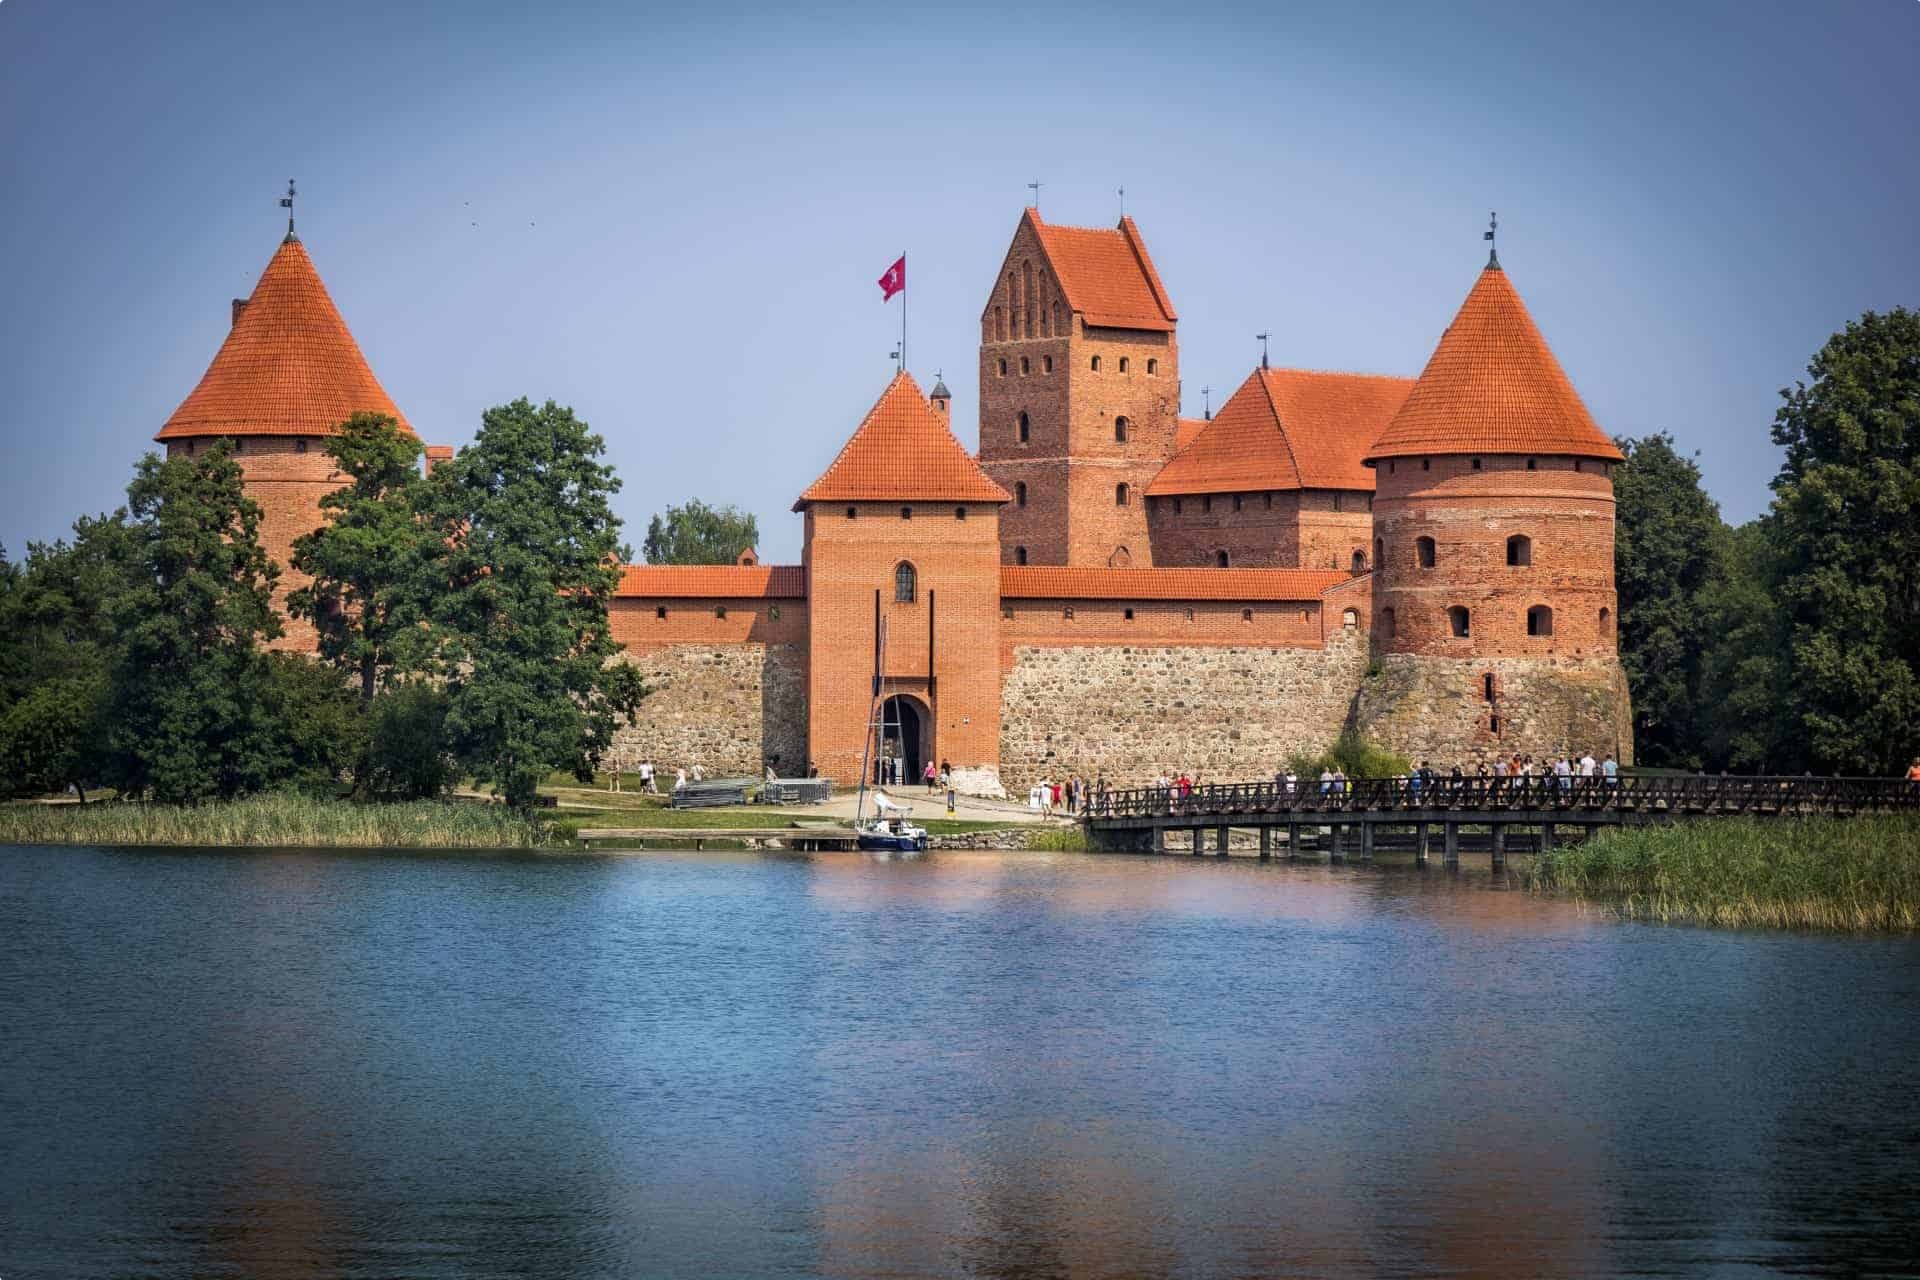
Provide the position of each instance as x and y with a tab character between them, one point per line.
673	219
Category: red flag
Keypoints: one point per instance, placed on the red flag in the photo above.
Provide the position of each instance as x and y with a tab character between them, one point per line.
894	280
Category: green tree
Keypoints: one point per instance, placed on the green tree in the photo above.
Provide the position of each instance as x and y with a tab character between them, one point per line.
188	705
407	756
1669	550
699	534
521	615
1742	697
1847	534
369	561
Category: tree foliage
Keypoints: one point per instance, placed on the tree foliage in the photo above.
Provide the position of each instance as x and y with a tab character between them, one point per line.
520	619
1846	534
369	561
699	534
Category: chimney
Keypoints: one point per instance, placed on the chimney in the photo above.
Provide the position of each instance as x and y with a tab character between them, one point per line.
437	454
239	305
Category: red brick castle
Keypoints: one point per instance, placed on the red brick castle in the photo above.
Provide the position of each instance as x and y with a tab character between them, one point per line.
1108	587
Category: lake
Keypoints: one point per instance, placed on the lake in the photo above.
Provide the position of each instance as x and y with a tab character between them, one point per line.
1016	1065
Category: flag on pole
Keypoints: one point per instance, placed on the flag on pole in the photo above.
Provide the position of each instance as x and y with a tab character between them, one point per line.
894	280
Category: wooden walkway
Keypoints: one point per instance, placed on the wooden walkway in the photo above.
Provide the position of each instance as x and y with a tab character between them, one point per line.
1529	812
809	837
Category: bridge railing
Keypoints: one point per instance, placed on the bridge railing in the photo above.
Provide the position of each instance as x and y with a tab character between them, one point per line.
1598	796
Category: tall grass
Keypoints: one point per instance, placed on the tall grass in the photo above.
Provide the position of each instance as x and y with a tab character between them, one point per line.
1813	873
278	819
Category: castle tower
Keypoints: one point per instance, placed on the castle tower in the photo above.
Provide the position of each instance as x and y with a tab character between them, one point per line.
903	529
1493	525
288	373
1079	392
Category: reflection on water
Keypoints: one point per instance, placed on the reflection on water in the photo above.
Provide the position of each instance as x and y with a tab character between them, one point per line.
973	1064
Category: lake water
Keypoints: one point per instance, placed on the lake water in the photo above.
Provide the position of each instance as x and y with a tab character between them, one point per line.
1014	1065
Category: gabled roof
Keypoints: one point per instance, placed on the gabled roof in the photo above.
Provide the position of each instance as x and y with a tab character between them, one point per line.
711	581
1106	274
1287	429
903	452
288	365
1493	386
1045	582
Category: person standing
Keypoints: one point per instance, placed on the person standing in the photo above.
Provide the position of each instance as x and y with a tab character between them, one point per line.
646	778
929	775
1610	770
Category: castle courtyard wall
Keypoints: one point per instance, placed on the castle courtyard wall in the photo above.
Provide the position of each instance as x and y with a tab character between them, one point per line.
1437	709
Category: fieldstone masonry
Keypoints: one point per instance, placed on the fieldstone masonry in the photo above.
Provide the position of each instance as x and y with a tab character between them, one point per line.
730	708
1437	708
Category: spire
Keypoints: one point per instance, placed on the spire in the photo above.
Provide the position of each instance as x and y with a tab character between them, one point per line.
1493	250
288	366
286	202
1493	386
903	452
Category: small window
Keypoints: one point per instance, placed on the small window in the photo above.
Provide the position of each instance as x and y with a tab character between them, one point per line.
1423	552
1019	555
1178	506
1426	464
1350	618
1206	503
1359	561
1459	621
1606	623
959	513
1220	559
239	446
719	611
1096	364
1540	621
1493	725
1246	615
1189	615
1003	367
1026	366
852	512
1046	364
1123	364
1120	495
1120	429
299	446
905	582
659	611
1020	493
1392	467
1128	614
1476	464
1336	501
1532	465
906	513
1269	498
1579	464
1236	502
1379	552
1519	550
1025	428
1153	366
1387	625
773	611
1006	612
1486	686
1068	613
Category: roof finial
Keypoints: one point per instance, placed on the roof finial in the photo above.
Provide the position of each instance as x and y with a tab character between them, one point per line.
1493	250
286	202
1123	202
1035	188
1263	348
1206	402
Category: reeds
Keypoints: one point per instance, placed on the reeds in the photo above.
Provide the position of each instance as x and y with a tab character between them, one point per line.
1855	874
276	819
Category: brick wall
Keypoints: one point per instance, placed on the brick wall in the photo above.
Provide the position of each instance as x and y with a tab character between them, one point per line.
1169	623
1130	711
635	622
729	707
1289	529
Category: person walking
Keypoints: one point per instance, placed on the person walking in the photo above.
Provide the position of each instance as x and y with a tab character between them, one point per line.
930	775
646	778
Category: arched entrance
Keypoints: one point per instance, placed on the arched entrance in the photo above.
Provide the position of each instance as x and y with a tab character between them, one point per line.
905	745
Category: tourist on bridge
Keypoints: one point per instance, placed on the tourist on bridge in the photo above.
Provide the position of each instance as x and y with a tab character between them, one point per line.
1610	770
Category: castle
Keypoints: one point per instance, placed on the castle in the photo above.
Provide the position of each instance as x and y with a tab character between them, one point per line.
1107	587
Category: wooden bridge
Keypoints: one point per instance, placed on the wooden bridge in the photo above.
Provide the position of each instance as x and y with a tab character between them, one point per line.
1499	814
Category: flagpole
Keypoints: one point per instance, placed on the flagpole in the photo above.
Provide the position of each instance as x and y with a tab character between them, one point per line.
903	311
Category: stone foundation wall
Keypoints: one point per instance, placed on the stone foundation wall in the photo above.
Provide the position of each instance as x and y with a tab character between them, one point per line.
1437	709
729	708
1129	712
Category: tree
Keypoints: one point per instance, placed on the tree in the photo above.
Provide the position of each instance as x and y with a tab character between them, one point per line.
407	757
1742	695
1847	533
699	534
369	561
188	705
1670	546
521	620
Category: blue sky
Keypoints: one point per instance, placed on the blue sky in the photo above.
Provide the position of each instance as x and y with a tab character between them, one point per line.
681	213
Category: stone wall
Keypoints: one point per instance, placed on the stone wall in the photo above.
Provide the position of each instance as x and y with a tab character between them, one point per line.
1130	711
730	708
1437	708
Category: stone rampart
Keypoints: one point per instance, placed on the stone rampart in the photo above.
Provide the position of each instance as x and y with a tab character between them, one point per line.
730	708
1439	709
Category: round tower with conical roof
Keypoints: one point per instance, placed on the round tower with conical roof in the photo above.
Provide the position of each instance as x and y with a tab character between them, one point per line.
1493	523
287	375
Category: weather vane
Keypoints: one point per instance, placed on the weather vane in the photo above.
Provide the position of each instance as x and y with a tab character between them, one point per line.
1493	250
286	202
1206	402
1263	348
1123	202
1035	188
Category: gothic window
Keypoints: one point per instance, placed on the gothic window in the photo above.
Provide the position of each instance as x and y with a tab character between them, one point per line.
1019	555
1046	364
1606	622
1519	550
1459	621
1059	319
1120	430
1359	561
1423	550
1000	325
1350	618
1003	368
1540	621
1123	364
1120	559
1020	493
1220	559
1153	366
1120	495
1096	364
905	581
1025	428
1026	366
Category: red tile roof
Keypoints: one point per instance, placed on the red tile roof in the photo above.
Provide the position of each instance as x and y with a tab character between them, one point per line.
1107	276
903	452
1043	582
288	365
1493	386
710	581
1287	429
1185	429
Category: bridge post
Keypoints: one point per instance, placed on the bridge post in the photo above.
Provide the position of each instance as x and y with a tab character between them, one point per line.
1157	842
1266	843
1220	842
1420	844
1366	841
1452	839
1499	846
1337	851
1293	841
1546	836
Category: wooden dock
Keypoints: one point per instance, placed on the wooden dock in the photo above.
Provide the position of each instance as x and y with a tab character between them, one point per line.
812	837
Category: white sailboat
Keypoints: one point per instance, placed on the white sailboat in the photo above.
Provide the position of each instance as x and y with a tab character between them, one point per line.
888	830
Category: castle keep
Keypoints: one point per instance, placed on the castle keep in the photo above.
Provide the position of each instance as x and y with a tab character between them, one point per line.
1107	587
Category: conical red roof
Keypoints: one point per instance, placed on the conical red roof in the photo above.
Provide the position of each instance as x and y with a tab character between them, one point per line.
288	366
903	452
1493	386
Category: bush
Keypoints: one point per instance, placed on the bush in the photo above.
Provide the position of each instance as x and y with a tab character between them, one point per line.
407	756
1353	756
